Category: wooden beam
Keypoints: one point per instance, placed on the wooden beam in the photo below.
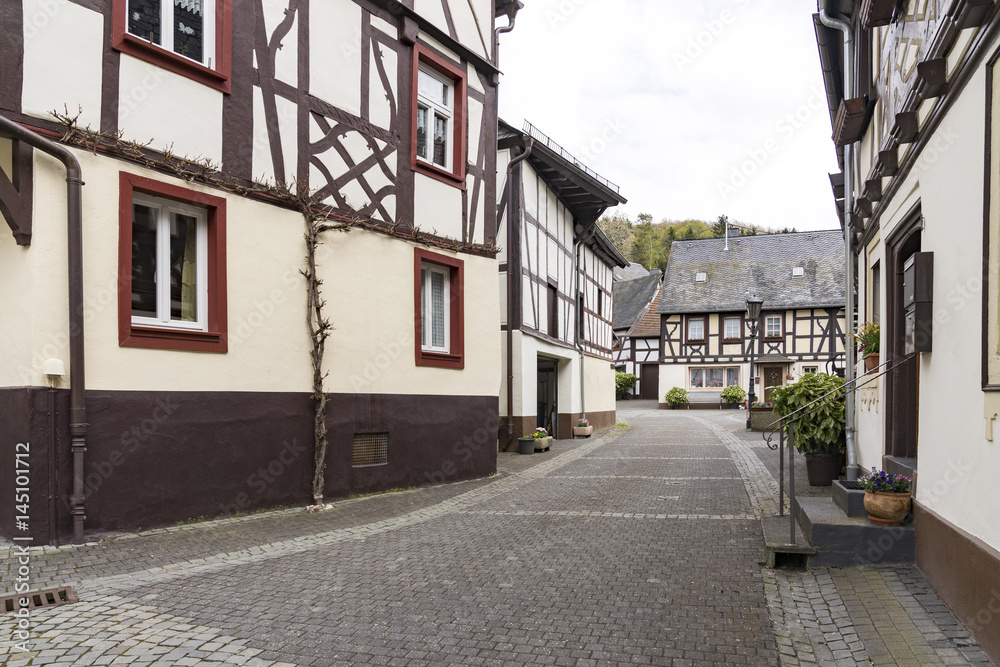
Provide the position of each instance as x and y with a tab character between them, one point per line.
863	207
876	13
907	127
851	121
972	13
932	78
889	159
837	183
873	189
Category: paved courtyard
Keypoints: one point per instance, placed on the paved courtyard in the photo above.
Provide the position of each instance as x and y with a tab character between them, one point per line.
640	546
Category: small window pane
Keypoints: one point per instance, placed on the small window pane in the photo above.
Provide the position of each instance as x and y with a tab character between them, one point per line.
696	329
189	28
143	261
424	305
422	151
714	377
144	19
431	88
697	378
732	327
732	376
183	268
440	140
772	326
437	309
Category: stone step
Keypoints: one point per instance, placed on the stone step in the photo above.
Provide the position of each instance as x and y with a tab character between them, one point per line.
841	540
778	550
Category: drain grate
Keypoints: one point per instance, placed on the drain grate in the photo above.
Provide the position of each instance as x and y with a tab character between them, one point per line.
370	449
51	597
850	486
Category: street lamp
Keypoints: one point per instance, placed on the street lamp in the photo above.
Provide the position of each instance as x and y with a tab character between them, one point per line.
753	314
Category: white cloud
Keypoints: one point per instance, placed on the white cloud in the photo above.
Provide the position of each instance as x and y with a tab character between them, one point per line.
701	89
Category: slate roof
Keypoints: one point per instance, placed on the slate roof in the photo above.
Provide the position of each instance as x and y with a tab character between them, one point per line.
630	272
760	265
630	298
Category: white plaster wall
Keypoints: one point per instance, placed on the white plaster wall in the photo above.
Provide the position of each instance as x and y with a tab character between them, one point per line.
335	53
379	109
599	382
472	23
287	116
372	348
437	207
286	62
169	109
957	465
63	54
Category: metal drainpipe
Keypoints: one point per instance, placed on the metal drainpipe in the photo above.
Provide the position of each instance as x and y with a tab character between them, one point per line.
850	357
579	319
74	218
529	144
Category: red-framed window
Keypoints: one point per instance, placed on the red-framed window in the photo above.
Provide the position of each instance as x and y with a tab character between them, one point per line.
171	267
438	128
732	328
696	330
439	309
192	38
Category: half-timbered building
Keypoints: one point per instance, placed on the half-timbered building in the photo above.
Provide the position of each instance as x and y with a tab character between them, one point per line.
556	281
637	331
705	338
918	134
285	201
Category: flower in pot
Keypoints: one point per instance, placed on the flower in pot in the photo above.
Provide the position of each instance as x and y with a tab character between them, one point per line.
868	345
542	439
819	428
887	497
733	395
676	397
583	429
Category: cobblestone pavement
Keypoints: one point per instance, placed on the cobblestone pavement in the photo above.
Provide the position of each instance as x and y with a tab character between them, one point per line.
641	546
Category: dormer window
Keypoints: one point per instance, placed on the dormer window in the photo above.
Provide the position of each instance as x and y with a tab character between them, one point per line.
700	277
798	272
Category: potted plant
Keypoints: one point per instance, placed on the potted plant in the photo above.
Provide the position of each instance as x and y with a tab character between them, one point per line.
733	395
583	429
526	445
819	429
868	345
887	497
676	397
624	383
542	439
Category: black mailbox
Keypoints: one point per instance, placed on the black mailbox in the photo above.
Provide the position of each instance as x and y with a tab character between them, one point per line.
918	297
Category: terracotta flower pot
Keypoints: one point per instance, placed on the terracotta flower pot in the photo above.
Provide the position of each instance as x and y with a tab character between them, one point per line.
871	362
582	431
887	509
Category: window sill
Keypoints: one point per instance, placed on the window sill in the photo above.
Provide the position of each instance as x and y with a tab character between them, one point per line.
732	340
774	339
177	64
439	174
175	339
440	360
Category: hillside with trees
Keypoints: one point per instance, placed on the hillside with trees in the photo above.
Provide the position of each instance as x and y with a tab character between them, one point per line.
648	243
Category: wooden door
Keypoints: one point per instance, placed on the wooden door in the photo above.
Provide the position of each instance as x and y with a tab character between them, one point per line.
772	376
649	382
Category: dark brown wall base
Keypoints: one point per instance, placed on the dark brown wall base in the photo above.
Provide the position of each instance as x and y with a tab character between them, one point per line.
598	420
156	458
965	573
522	427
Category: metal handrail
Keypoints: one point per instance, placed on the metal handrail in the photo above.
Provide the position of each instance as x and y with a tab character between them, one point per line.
786	424
543	138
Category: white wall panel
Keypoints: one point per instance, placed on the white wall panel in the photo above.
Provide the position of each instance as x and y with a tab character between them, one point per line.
335	53
438	206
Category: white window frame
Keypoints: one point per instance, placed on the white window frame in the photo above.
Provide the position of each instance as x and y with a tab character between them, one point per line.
434	108
167	31
704	370
426	326
702	322
810	369
739	327
767	321
163	208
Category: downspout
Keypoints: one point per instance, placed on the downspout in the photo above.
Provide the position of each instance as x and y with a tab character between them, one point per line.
74	218
528	145
579	316
849	351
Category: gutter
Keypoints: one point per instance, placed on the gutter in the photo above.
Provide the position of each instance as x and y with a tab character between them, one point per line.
849	352
528	145
74	219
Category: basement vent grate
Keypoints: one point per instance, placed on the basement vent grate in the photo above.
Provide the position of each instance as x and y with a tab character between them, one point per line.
370	449
850	486
51	597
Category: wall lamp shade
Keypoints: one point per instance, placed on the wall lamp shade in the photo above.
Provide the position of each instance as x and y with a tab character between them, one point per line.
52	367
754	305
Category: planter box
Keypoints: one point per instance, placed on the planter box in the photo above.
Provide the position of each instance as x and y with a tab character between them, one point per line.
582	431
760	418
543	444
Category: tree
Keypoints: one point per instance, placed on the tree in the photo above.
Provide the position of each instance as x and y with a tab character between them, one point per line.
618	228
719	227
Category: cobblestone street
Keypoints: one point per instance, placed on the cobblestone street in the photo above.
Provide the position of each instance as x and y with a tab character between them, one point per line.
640	546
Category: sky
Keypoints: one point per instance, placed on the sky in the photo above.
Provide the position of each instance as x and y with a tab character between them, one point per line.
695	109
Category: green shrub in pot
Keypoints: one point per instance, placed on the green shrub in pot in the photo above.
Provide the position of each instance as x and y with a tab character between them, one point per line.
820	428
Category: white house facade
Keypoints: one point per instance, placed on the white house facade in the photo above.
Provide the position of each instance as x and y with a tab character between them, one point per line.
213	137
